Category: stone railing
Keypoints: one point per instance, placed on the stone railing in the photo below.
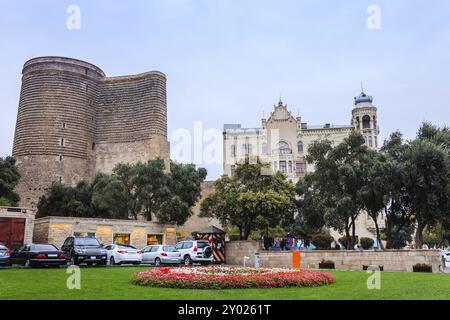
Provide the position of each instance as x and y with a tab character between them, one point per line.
391	260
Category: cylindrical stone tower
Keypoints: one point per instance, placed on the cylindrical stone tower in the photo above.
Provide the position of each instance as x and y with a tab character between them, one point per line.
55	129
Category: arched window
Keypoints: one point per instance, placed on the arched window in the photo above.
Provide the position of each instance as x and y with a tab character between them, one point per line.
366	122
300	147
283	148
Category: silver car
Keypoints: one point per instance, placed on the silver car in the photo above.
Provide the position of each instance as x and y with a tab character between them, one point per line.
159	254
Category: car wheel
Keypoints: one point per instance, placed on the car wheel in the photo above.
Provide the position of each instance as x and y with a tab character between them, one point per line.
187	260
112	261
157	262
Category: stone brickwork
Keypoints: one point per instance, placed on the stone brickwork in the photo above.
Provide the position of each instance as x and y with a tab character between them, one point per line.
55	230
73	121
391	260
195	222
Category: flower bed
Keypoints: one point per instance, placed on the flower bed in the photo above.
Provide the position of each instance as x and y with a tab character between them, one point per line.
230	278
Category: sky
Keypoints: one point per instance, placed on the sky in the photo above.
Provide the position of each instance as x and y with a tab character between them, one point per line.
228	61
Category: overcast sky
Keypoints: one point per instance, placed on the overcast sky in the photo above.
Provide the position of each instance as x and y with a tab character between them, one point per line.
228	61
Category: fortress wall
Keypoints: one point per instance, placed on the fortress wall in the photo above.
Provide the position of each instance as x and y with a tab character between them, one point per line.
73	121
55	124
131	120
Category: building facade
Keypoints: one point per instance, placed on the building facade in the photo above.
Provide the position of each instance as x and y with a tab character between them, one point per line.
283	140
73	122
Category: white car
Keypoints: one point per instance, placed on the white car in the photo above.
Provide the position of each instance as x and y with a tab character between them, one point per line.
159	254
195	251
118	254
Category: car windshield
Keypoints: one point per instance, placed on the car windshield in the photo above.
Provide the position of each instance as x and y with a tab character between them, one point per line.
44	247
169	249
202	244
87	242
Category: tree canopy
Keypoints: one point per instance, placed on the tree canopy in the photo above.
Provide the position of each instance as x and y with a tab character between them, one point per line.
9	177
251	199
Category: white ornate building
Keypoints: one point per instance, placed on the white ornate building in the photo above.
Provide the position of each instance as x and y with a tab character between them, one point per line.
283	141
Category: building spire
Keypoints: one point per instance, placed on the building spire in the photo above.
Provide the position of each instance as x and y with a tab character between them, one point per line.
362	87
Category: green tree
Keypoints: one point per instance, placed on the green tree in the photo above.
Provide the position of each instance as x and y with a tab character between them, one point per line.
427	183
109	195
251	200
338	180
398	211
126	173
9	177
150	180
181	192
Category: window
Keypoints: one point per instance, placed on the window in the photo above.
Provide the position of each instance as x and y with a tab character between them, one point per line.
290	167
366	122
60	179
300	167
122	238
283	148
187	245
370	142
63	125
264	148
247	148
233	170
154	249
153	239
233	150
283	166
61	142
300	147
60	157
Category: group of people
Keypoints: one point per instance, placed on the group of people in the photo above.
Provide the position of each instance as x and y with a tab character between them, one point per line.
283	243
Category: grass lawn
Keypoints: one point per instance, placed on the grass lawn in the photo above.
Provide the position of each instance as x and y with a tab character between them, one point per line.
114	283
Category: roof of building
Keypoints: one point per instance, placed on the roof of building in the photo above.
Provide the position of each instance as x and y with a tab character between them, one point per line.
211	229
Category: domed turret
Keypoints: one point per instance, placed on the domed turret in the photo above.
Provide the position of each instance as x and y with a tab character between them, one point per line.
363	98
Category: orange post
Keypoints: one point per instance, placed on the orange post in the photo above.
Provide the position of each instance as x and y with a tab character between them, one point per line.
296	260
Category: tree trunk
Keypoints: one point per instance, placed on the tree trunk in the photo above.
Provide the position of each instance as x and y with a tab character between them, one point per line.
347	235
353	233
378	233
419	235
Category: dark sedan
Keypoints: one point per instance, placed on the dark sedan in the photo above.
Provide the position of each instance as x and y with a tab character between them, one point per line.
5	256
32	255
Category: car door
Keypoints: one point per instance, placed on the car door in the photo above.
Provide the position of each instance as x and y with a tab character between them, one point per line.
179	247
146	252
154	253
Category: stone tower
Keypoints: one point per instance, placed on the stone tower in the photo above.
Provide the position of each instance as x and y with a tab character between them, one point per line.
364	119
73	121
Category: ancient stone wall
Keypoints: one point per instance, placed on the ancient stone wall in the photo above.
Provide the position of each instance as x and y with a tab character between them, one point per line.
73	121
391	260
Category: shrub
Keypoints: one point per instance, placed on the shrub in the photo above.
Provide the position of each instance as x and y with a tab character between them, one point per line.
322	241
422	267
343	241
366	243
233	237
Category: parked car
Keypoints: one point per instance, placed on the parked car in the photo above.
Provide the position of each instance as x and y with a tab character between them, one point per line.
195	251
5	255
159	254
87	250
118	254
32	255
